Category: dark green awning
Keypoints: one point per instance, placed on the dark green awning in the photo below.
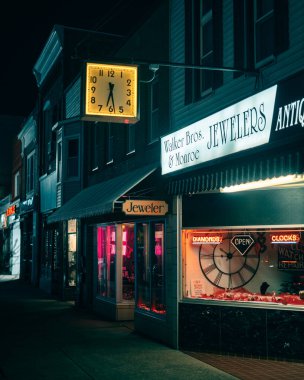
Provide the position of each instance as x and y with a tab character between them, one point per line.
99	199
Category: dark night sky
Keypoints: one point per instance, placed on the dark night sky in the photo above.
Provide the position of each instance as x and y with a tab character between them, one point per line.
24	29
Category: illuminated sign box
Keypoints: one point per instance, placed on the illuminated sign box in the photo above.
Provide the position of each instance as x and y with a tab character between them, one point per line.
270	116
244	125
11	210
139	207
110	93
242	243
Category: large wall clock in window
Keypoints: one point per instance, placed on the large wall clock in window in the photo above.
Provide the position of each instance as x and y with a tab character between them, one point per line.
111	93
227	267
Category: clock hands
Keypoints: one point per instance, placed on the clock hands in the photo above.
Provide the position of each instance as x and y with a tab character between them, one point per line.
225	267
111	96
221	249
229	254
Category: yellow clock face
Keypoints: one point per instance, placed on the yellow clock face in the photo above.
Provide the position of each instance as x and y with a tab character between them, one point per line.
111	92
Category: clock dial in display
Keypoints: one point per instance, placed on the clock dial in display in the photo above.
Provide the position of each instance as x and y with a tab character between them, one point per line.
111	92
225	267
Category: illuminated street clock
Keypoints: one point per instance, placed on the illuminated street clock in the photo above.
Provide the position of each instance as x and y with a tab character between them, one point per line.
225	267
111	93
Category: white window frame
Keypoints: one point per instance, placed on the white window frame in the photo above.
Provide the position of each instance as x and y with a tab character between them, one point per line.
153	136
131	139
264	18
110	145
205	19
17	183
30	177
66	156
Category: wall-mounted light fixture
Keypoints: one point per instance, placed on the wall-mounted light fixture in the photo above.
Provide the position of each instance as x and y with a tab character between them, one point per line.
292	180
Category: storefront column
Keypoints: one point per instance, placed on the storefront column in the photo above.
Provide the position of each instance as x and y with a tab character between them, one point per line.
179	223
118	258
36	258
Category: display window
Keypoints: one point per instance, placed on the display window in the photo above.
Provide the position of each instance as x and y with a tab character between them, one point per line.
128	266
134	251
72	253
150	267
244	266
106	258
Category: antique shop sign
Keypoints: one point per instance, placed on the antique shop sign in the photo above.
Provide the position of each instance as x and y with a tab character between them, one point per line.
139	207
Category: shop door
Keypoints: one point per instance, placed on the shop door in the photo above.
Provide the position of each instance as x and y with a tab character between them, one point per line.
128	265
15	250
27	251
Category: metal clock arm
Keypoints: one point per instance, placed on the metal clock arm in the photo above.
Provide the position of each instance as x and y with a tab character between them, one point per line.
111	96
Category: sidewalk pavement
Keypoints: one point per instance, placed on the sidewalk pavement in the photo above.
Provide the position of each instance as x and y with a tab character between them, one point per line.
42	338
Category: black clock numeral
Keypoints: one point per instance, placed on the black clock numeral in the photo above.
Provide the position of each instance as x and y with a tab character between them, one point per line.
121	74
129	92
129	82
241	278
101	73
218	278
93	89
210	268
93	99
111	73
249	268
128	102
111	109
93	79
230	281
100	107
120	109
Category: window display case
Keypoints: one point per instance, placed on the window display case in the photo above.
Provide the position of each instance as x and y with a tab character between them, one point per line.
150	267
71	253
130	268
244	266
106	252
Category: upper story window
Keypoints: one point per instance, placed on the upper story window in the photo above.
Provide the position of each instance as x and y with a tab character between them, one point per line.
30	173
59	161
242	33
109	143
130	138
154	130
72	165
95	146
271	29
17	184
203	47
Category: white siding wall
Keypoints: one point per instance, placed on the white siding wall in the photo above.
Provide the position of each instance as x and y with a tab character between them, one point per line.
233	90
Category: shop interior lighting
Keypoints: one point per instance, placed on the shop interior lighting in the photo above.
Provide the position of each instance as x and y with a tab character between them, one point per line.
292	180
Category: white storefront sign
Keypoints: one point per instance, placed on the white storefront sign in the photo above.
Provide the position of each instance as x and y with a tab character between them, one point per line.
244	125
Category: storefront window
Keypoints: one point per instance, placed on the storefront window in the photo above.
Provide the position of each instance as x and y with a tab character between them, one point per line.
128	274
150	267
106	252
72	252
260	266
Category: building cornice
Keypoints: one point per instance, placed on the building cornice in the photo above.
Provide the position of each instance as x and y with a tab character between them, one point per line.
49	55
